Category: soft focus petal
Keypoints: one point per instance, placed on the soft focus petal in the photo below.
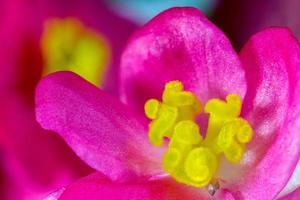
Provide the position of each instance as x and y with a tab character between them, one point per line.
272	106
96	187
96	15
24	143
20	59
44	160
101	130
181	44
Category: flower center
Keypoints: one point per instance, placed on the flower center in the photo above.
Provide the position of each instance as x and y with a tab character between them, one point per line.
68	45
190	158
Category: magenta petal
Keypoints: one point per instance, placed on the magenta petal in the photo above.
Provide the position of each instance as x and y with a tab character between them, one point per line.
179	44
272	106
292	196
94	187
101	130
55	195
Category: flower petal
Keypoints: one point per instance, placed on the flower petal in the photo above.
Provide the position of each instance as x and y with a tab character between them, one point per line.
101	130
293	183
293	195
37	161
97	15
95	187
272	106
179	44
55	195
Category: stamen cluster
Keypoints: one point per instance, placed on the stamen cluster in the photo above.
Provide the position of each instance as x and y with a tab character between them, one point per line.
190	158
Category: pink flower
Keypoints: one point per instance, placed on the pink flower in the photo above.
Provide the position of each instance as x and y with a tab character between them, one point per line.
180	44
36	161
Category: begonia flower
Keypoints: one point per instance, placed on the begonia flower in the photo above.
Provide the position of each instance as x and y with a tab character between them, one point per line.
37	161
181	44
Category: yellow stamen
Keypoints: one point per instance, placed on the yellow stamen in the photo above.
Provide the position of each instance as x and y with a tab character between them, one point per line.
220	112
192	159
187	132
162	126
151	108
200	165
165	114
222	109
234	153
68	45
172	159
232	137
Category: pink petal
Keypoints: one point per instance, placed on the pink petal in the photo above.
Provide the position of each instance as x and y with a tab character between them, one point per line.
294	181
292	196
272	106
55	195
26	146
95	187
179	44
102	131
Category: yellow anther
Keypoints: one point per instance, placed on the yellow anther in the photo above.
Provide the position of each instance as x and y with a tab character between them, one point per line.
226	137
234	101
174	95
68	45
232	134
172	159
191	159
179	98
200	165
151	108
245	132
230	108
187	132
175	86
163	125
234	153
